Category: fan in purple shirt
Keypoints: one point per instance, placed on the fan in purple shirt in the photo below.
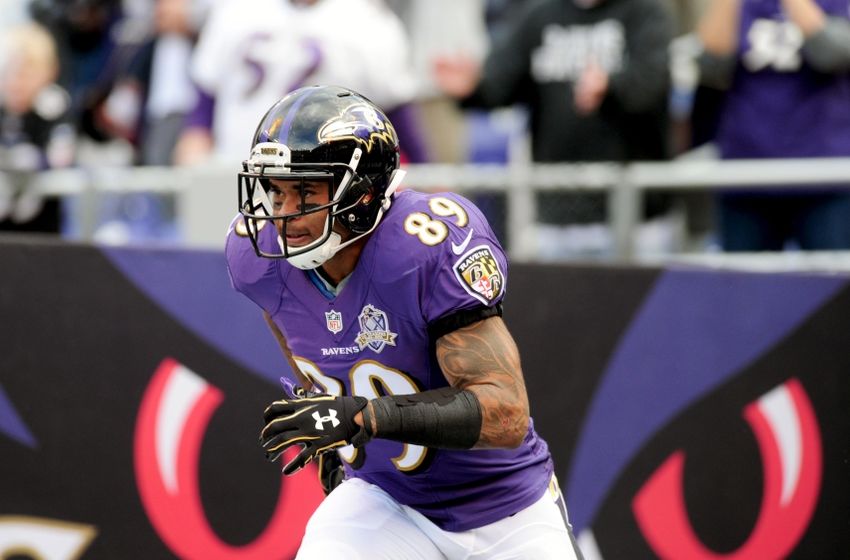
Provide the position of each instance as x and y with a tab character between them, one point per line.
388	306
784	67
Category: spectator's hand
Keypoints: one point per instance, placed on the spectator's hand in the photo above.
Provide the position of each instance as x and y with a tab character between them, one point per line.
118	115
193	147
457	76
173	16
317	423
590	89
806	14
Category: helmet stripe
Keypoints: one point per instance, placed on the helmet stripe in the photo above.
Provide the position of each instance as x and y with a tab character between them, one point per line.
291	114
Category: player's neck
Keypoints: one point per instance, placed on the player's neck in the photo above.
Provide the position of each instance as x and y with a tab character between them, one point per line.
343	263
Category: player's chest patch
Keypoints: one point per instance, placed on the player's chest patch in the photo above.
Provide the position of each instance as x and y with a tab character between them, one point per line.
333	320
375	331
479	273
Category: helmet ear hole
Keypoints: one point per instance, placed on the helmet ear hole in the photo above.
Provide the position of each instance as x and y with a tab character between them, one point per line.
360	203
360	189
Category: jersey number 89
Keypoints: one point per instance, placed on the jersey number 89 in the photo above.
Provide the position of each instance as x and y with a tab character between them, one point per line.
431	231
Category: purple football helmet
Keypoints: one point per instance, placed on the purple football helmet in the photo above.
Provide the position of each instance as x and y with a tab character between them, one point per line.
323	135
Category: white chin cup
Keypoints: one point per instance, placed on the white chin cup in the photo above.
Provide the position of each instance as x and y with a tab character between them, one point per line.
316	256
319	255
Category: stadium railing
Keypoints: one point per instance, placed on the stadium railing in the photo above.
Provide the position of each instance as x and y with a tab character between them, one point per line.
206	194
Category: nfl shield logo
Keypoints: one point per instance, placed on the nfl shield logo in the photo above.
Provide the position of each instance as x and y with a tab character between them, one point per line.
333	319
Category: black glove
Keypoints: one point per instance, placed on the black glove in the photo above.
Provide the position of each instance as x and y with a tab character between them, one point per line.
331	471
318	423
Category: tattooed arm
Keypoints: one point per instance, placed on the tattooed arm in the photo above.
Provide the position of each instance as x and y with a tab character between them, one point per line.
485	407
483	358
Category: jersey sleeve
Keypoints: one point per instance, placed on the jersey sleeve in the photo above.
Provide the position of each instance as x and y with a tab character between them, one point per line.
255	277
470	268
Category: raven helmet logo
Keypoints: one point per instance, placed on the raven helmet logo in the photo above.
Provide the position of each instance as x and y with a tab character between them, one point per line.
360	123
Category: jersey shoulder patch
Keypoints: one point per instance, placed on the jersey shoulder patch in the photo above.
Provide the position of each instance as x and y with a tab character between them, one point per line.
451	243
479	273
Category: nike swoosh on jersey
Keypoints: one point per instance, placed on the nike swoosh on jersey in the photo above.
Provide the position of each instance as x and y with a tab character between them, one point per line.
458	249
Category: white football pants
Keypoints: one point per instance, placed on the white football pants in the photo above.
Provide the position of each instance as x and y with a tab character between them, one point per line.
360	521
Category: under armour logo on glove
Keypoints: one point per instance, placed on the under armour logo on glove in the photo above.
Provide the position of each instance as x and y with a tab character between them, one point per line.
331	417
291	422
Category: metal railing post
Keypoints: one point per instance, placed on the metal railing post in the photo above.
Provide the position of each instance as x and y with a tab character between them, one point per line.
521	206
625	202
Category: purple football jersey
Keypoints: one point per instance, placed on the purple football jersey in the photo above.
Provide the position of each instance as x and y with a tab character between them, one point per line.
431	255
778	105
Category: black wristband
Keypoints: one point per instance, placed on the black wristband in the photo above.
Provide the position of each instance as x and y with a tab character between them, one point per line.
367	420
446	418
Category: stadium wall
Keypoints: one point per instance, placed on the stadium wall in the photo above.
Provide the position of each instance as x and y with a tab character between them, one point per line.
691	413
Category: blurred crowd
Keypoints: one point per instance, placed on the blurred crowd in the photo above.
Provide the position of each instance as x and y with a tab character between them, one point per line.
183	82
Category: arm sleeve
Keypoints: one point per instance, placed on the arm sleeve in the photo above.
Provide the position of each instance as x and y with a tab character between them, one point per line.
644	79
828	50
459	319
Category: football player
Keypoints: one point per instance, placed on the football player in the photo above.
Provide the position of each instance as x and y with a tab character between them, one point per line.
388	305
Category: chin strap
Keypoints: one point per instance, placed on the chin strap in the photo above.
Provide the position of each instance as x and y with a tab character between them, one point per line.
395	183
316	257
